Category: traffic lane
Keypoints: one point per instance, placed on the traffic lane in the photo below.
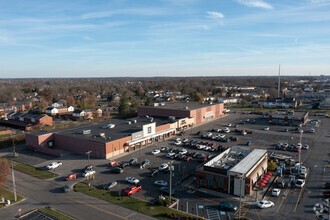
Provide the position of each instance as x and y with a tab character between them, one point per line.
49	193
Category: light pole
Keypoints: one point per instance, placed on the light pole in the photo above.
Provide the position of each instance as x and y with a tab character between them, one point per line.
14	185
242	178
300	148
88	155
171	181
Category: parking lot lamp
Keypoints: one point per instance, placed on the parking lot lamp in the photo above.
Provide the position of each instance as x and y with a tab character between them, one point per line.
171	180
242	178
88	155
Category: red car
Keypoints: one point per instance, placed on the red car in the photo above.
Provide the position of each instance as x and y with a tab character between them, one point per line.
211	144
326	194
71	177
113	163
188	158
132	190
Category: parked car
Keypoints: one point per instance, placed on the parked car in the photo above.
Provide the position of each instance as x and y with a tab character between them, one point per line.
156	151
183	151
265	204
163	167
160	183
166	190
281	183
248	143
88	167
132	180
144	163
132	189
326	194
164	149
305	147
66	188
111	185
266	128
170	154
303	169
300	183
113	163
188	158
133	161
123	165
227	206
177	143
71	177
276	192
184	140
286	130
312	130
117	170
54	165
153	172
88	173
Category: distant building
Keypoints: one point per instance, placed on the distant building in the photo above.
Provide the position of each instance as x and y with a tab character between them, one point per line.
279	103
325	104
59	110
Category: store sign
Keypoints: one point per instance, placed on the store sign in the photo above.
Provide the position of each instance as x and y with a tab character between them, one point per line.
149	129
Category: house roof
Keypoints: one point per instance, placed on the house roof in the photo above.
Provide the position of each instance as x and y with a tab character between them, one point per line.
188	106
245	165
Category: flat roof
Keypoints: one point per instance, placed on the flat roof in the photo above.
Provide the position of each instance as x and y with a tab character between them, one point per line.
122	128
188	106
245	165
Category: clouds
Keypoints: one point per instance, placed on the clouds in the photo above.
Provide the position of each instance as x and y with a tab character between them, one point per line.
255	4
125	11
217	16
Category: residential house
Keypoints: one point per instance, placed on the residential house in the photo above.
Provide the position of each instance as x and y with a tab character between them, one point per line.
280	103
59	110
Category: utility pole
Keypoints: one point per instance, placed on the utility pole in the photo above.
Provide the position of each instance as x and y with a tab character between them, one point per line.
14	185
240	195
88	154
171	181
300	148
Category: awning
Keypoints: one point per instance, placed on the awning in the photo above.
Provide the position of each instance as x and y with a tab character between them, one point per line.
208	115
254	179
260	172
150	136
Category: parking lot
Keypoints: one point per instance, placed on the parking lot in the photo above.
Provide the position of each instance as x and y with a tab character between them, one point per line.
287	203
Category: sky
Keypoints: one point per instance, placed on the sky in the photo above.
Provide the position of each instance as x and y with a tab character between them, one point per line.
148	38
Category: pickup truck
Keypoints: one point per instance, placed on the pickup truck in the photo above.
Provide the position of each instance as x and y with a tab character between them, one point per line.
131	190
54	165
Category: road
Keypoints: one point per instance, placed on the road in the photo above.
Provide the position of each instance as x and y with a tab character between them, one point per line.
40	193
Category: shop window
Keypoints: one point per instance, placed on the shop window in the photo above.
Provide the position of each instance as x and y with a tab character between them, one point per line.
209	180
220	182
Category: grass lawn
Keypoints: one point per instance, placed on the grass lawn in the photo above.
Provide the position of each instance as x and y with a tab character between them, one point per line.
144	207
36	172
7	194
55	214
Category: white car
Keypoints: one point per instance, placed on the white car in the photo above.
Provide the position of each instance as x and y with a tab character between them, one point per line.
183	151
299	145
226	130
312	130
170	154
276	192
160	183
132	180
300	183
54	165
266	128
229	125
177	139
265	204
220	136
200	147
303	170
207	148
184	140
279	144
177	143
164	166
88	173
301	131
156	151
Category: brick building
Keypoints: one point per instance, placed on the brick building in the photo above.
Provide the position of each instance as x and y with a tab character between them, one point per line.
199	112
232	169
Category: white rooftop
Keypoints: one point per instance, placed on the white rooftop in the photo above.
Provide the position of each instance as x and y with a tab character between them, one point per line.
249	161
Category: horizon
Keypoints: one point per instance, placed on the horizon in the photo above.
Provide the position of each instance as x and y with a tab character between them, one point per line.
165	38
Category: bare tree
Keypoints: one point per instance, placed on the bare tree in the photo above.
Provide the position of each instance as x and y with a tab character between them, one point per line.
4	170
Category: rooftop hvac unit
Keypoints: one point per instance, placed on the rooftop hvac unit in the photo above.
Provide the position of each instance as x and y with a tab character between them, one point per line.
85	132
102	134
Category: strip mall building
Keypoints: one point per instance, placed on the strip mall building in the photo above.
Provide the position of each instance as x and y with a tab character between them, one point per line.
113	137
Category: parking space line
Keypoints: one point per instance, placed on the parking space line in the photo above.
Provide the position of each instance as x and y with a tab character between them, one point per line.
295	208
111	213
206	199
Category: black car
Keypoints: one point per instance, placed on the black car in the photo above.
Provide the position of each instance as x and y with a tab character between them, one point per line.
133	161
123	165
117	170
166	190
153	172
164	149
66	188
88	167
144	163
171	150
281	183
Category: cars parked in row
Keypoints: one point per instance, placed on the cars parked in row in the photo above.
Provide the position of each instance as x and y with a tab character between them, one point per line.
144	163
111	185
132	189
276	192
132	180
265	204
156	151
71	177
227	206
161	183
88	173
